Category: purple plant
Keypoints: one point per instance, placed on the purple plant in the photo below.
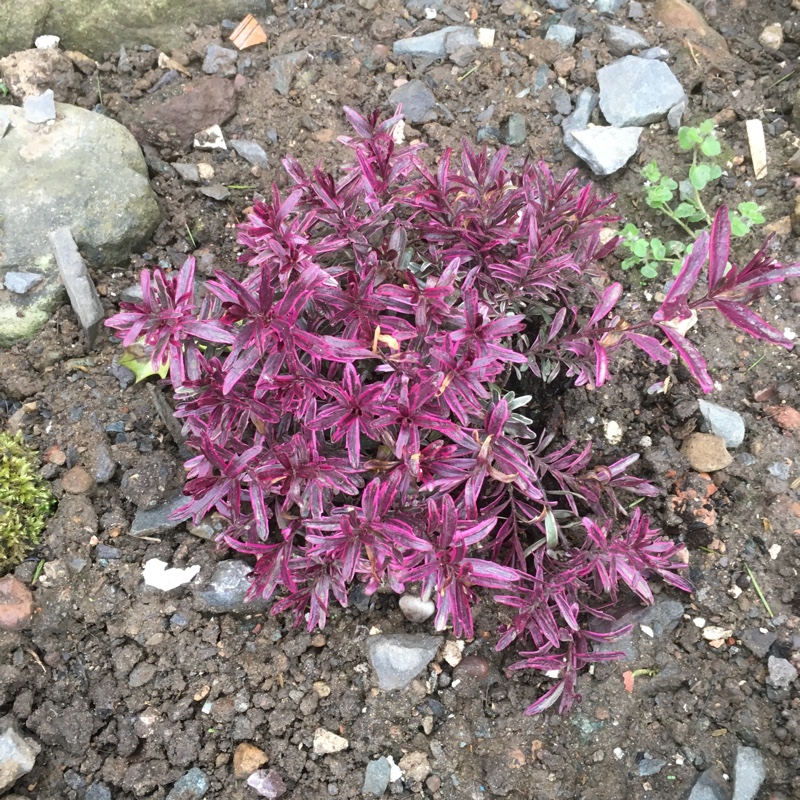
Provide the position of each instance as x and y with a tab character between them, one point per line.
354	401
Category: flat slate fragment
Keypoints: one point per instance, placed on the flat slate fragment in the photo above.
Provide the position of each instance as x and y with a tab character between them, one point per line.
82	294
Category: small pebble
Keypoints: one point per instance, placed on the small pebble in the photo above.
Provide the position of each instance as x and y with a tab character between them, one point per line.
474	667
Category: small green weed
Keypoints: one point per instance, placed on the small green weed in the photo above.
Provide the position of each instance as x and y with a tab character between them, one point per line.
4	90
683	205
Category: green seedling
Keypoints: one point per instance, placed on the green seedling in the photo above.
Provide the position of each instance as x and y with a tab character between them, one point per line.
682	204
4	90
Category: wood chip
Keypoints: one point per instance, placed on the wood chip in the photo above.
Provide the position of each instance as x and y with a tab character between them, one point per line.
758	147
248	33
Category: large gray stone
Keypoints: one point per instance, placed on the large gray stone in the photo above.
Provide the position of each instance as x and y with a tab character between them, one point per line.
578	120
437	44
98	26
226	590
417	100
637	91
398	659
83	171
710	785
605	150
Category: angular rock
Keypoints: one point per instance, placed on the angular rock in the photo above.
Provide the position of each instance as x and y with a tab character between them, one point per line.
98	791
225	592
326	742
579	119
397	659
16	605
675	115
247	758
77	481
758	642
176	120
622	41
513	131
749	773
710	785
376	777
191	786
437	44
220	61
268	783
563	34
17	757
680	15
189	172
706	452
655	53
80	288
649	765
21	282
608	7
157	520
216	191
637	91
282	70
771	38
782	673
604	149
559	5
726	424
418	101
251	151
662	617
40	108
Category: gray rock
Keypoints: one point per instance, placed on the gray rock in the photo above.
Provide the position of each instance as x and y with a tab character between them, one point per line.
191	786
282	69
635	10
98	791
710	785
559	5
782	672
251	151
40	108
107	552
622	41
758	642
157	520
662	617
21	282
132	293
675	115
579	119
723	422
605	150
189	172
562	102
563	34
749	773
225	591
418	101
78	283
779	470
637	91
655	54
99	26
85	172
608	7
398	659
376	777
5	123
436	44
514	130
216	191
650	765
220	61
103	464
17	757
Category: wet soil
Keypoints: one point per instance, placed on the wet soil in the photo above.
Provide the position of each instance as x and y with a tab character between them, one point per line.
128	688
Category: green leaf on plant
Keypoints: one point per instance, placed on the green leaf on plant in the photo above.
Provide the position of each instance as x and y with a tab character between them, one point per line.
137	360
629	262
738	226
685	210
639	248
688	137
651	172
659	251
752	212
699	175
705	127
676	267
711	147
630	231
649	271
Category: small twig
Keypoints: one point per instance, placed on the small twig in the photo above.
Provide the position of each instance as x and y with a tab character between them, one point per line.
467	73
758	590
756	363
691	52
781	80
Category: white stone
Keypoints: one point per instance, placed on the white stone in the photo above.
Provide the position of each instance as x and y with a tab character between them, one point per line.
210	139
486	37
713	632
159	576
46	42
415	609
326	742
772	36
612	432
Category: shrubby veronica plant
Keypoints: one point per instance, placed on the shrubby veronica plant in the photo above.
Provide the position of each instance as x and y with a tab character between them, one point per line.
354	401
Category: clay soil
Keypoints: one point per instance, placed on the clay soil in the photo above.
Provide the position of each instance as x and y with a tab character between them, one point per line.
130	687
